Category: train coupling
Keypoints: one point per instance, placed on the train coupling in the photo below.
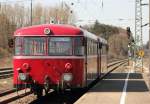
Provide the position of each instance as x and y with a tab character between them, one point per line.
47	83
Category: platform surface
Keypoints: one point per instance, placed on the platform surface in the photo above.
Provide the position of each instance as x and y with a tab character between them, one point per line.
118	88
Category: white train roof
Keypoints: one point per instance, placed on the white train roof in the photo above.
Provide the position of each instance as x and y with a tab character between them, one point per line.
89	35
102	40
93	36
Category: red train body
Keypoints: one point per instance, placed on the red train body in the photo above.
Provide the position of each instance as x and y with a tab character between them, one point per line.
57	57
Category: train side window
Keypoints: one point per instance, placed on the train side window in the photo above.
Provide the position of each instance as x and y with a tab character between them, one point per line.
100	45
78	46
95	48
89	47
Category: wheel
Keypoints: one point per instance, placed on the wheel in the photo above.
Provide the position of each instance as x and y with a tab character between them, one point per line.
46	86
46	91
39	92
59	91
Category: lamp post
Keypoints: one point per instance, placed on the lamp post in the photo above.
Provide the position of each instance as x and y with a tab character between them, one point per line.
149	44
0	6
31	13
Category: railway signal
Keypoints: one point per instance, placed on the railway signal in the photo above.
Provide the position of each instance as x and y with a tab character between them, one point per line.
131	43
128	32
10	43
141	53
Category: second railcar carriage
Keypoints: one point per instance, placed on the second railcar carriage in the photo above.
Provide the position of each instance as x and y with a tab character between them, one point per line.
57	57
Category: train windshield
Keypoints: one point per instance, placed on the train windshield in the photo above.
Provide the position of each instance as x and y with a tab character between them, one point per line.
52	46
60	46
34	46
30	46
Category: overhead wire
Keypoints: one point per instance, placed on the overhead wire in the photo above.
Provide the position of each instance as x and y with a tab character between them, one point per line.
80	7
14	1
85	3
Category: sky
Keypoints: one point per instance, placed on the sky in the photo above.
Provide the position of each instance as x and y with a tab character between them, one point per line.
113	12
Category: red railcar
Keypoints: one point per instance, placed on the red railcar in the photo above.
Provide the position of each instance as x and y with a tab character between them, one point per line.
57	57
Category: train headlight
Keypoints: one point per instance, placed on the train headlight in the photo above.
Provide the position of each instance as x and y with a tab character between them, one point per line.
23	76
47	31
67	77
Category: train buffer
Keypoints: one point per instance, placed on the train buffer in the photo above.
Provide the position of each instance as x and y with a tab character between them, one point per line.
119	88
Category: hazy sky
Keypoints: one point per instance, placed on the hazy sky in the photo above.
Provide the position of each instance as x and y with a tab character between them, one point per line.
114	12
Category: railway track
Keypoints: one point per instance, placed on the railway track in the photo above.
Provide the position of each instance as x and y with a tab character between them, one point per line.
6	72
13	96
116	62
113	60
66	97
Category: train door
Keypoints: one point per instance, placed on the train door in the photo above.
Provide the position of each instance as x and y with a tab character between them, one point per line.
85	61
104	59
99	46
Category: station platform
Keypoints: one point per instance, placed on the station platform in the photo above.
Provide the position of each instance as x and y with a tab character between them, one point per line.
119	88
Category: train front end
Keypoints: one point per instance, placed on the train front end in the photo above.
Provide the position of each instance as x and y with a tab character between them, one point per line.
48	57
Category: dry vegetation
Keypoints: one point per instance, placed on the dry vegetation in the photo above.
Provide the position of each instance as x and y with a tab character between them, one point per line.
117	38
17	15
14	16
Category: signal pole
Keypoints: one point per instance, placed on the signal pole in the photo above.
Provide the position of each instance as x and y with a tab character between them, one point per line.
0	6
138	48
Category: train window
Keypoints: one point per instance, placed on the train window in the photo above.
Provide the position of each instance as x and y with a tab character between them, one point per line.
60	46
89	47
34	46
78	48
18	45
92	47
95	48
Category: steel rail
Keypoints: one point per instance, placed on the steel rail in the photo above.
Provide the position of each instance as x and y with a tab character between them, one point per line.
6	73
7	92
116	62
13	96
